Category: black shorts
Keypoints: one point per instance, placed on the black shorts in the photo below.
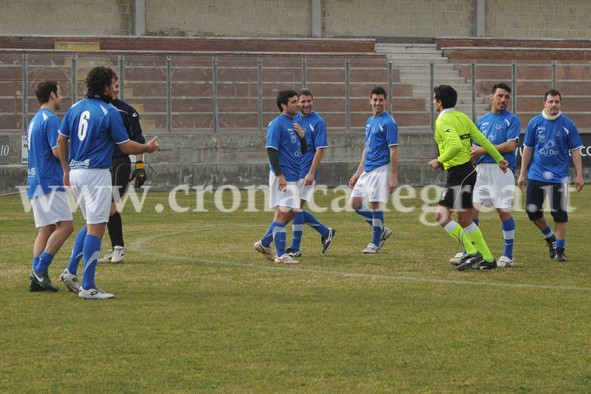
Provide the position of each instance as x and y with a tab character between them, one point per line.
457	194
120	175
537	192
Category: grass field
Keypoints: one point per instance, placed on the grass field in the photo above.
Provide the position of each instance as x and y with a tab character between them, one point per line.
198	310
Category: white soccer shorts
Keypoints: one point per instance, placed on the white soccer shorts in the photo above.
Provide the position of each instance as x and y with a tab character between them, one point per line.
51	208
375	185
493	187
93	191
307	190
290	198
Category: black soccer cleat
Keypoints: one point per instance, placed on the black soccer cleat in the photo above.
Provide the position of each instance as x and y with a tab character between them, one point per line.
327	239
42	279
34	287
551	247
560	256
293	252
470	260
485	265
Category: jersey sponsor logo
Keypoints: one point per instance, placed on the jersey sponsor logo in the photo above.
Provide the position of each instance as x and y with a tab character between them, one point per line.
549	149
80	164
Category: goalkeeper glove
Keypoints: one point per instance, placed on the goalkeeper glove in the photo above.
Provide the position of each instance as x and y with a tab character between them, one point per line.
139	174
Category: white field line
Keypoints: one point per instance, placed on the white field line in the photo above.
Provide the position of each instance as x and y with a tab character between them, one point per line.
141	246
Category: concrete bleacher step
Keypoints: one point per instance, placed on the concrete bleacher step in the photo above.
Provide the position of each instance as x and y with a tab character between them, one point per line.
413	61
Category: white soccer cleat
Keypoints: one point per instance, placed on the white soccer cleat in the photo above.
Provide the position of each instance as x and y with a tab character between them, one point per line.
71	281
286	259
371	249
118	254
457	259
106	258
505	261
267	252
94	294
386	232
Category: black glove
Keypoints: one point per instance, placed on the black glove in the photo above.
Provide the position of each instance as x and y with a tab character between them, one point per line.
139	174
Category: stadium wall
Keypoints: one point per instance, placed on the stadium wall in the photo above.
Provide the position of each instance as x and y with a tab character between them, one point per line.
534	19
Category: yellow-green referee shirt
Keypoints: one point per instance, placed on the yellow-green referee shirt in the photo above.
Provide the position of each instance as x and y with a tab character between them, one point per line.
454	133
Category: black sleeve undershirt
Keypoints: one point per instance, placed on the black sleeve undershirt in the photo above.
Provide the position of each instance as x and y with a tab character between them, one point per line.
274	160
304	145
274	156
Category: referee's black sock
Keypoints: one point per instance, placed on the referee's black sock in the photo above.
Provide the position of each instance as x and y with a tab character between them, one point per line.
115	227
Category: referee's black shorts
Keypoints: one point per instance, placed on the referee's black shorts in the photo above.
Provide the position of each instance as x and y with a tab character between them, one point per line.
457	194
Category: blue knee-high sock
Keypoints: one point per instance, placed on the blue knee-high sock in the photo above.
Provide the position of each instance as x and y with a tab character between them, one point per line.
548	234
508	236
92	248
34	262
298	229
268	237
366	214
45	260
561	243
279	236
378	226
311	221
77	251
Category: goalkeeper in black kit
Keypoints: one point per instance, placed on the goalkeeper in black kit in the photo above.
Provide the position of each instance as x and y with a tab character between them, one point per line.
121	175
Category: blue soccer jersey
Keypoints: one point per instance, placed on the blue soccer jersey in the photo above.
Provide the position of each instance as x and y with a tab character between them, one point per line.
94	127
499	128
381	132
551	142
282	137
45	172
315	129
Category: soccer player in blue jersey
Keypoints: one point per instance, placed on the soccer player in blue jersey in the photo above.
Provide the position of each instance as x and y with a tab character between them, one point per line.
87	136
549	138
315	129
120	176
494	187
51	208
377	173
286	142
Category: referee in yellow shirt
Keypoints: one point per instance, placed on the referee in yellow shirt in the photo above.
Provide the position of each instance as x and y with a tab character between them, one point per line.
454	133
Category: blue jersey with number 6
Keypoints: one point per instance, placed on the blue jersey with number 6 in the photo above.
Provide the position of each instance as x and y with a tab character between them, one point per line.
93	127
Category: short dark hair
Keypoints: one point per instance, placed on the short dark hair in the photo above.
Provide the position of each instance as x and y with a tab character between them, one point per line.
552	92
98	79
501	85
305	92
447	95
44	89
283	97
378	90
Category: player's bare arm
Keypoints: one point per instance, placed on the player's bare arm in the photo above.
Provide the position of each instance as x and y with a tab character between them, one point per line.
358	172
393	168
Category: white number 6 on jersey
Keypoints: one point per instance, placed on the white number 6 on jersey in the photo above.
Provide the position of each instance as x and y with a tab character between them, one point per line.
83	125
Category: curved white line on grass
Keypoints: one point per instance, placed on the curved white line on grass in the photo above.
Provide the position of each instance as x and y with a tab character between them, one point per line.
139	247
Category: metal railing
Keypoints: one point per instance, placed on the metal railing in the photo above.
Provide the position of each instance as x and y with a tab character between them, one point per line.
227	93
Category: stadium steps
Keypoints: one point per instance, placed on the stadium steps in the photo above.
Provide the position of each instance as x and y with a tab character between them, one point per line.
413	61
